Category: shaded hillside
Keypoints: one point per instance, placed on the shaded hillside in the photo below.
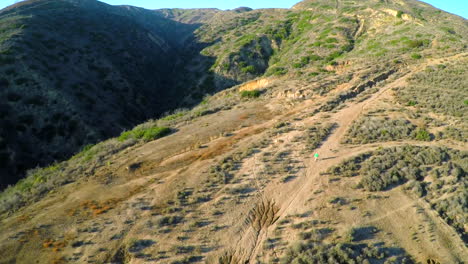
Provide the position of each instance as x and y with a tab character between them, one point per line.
77	73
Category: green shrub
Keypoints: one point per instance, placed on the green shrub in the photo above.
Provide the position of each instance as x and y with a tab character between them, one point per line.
86	153
416	56
250	94
138	245
334	55
277	71
36	177
249	69
449	30
423	135
298	65
169	221
417	43
305	60
351	235
145	134
175	115
313	74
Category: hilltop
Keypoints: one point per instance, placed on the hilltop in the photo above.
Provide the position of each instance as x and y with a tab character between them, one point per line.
236	103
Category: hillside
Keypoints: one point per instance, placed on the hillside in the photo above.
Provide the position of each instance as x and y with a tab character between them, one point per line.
78	72
72	76
377	88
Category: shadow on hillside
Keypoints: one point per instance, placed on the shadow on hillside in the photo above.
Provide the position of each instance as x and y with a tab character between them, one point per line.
109	68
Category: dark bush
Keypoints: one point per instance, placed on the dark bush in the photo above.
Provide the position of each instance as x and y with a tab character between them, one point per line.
250	94
145	134
170	221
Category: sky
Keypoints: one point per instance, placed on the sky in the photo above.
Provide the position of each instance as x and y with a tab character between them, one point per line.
459	7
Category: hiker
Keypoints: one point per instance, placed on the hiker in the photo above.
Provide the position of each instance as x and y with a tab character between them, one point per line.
316	155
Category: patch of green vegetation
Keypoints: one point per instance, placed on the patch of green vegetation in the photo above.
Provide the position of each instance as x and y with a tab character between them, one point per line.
423	135
249	69
399	14
277	71
245	40
334	55
243	21
175	115
36	177
170	221
303	24
297	65
145	134
137	245
250	94
38	182
347	20
87	153
416	56
418	43
449	30
313	74
281	30
374	45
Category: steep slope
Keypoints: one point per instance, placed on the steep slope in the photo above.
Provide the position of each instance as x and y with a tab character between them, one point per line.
77	72
379	94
